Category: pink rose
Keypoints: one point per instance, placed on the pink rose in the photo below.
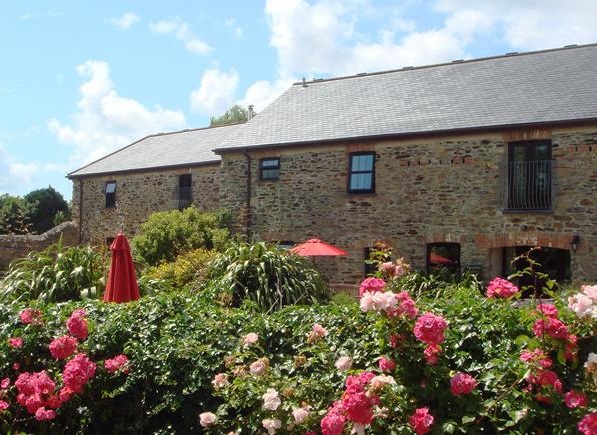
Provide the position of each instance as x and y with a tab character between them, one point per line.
5	383
220	381
421	421
45	415
462	383
207	419
250	339
31	316
588	425
258	367
271	425
501	288
300	415
319	330
63	347
271	400
575	399
343	363
15	342
386	364
333	422
371	285
429	328
3	405
77	324
118	363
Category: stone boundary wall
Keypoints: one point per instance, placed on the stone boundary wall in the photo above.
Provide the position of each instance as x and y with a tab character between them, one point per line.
13	246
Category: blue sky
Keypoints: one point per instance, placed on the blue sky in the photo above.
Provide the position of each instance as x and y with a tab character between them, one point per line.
81	79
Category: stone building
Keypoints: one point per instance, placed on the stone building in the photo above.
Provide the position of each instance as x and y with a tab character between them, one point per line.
463	165
159	172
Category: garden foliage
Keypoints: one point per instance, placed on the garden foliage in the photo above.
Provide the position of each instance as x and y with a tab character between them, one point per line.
270	277
188	268
166	235
466	360
56	274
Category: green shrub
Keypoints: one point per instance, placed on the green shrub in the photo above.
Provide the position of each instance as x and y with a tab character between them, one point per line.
190	267
168	234
271	277
55	274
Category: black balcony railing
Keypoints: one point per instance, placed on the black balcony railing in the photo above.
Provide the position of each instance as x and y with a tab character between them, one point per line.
185	197
528	185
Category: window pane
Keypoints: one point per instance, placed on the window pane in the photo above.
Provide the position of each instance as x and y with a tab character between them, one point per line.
362	162
270	173
270	163
360	182
111	187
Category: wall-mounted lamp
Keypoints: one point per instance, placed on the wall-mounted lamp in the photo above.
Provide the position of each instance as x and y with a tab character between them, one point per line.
575	242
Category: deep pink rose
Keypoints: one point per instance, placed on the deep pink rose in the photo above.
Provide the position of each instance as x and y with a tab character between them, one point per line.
15	342
371	285
63	347
77	324
386	364
574	399
462	383
421	421
501	288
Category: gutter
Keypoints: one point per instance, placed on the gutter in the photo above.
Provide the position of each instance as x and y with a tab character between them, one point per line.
248	198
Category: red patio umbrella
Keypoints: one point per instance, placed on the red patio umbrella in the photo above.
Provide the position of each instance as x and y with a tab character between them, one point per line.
122	281
317	248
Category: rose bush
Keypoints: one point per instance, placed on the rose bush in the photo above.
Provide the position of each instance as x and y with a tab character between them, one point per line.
448	362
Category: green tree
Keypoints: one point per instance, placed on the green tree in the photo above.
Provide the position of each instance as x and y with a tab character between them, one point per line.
15	215
235	115
167	234
45	204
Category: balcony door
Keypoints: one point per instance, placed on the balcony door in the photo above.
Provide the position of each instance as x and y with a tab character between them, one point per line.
529	176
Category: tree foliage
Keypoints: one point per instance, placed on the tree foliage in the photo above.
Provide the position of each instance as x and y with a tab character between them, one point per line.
15	215
45	203
235	115
167	234
39	211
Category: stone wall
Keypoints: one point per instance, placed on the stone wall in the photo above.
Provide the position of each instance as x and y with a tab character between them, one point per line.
138	194
18	246
435	189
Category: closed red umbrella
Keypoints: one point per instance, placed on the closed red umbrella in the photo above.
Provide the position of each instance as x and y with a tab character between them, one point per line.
317	248
122	281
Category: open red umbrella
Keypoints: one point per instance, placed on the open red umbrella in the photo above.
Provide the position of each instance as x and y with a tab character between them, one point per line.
317	248
122	281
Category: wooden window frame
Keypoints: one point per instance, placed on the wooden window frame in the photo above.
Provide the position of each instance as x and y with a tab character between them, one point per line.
110	196
275	167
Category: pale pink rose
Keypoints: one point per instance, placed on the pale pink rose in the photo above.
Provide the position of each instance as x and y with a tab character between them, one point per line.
258	368
300	415
271	425
220	381
319	330
250	339
271	400
590	291
366	302
344	363
207	419
581	304
380	381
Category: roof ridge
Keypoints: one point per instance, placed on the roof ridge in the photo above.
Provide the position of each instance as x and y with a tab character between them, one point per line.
147	137
435	65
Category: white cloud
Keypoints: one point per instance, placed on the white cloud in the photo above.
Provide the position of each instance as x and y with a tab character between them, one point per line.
126	21
535	24
182	33
215	93
23	177
106	121
260	94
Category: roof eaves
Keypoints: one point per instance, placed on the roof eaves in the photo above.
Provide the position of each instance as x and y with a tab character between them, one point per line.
476	129
72	175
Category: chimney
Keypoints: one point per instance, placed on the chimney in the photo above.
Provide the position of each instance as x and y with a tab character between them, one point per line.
250	114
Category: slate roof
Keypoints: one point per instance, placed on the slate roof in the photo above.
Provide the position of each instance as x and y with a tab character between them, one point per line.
517	89
180	148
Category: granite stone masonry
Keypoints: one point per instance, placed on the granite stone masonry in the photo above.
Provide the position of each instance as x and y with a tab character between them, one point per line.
137	195
429	189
